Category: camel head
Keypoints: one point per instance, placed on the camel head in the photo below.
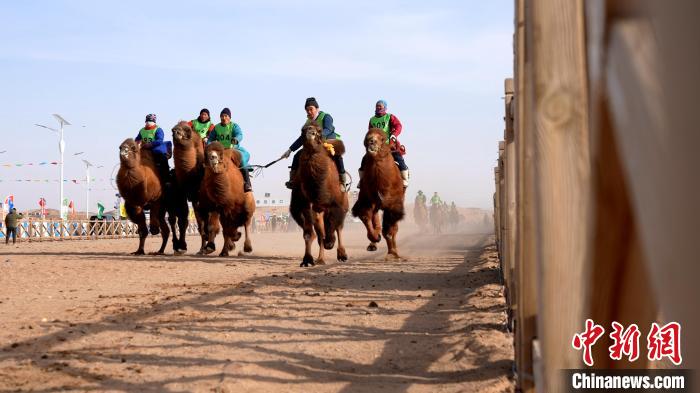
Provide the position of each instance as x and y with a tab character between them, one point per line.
182	134
313	137
375	140
129	152
214	157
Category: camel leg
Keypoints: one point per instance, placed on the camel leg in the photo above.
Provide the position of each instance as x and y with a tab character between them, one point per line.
371	222
309	236
162	228
213	228
172	222
202	218
182	214
229	243
319	225
390	231
154	223
342	255
136	215
247	245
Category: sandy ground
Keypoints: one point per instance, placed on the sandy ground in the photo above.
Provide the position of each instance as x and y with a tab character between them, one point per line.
84	316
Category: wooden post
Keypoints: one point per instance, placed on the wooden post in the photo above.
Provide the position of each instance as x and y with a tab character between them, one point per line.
562	178
526	231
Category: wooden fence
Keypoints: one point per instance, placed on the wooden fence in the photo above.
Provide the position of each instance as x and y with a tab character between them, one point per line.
597	191
43	230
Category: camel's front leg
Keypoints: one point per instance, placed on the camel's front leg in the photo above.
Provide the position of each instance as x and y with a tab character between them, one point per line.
136	215
319	225
247	244
213	227
371	222
308	229
342	255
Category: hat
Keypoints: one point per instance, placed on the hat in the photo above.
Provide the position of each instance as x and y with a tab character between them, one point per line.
225	111
205	110
383	102
311	101
151	117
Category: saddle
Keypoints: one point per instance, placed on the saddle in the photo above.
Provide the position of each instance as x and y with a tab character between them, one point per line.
395	145
335	147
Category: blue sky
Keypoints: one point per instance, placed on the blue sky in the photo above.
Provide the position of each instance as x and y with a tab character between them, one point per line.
105	65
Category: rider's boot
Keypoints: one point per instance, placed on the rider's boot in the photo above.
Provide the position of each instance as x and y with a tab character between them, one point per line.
360	179
405	176
343	182
247	187
290	183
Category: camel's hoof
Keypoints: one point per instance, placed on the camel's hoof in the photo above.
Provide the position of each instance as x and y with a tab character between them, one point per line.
138	252
393	257
247	248
307	261
329	245
237	236
154	231
320	262
223	253
342	256
208	250
372	247
179	252
154	253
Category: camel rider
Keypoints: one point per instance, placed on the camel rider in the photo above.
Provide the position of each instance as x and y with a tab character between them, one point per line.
435	200
420	198
150	137
325	121
202	124
392	127
230	135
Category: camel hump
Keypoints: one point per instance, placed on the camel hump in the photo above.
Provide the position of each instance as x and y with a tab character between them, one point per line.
236	157
338	146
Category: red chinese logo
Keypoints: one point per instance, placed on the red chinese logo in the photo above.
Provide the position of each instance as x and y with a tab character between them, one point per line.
586	340
665	342
662	342
625	342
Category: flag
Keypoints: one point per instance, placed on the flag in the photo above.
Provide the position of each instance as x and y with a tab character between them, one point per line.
10	202
71	206
100	210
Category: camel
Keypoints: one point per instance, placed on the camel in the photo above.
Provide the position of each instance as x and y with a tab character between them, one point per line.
223	198
317	204
188	155
381	188
436	218
141	189
420	215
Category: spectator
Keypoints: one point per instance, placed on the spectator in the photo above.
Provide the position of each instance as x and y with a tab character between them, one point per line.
11	221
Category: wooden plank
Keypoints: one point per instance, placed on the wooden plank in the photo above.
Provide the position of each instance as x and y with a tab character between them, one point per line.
562	179
525	262
653	101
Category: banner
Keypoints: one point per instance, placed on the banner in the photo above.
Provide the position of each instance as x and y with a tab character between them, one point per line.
100	210
10	202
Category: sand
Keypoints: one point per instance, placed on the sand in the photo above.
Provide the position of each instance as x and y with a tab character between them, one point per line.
86	316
